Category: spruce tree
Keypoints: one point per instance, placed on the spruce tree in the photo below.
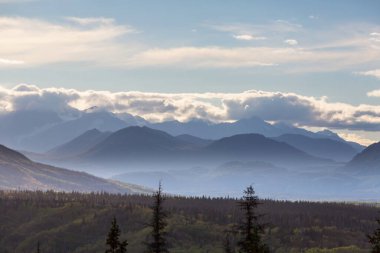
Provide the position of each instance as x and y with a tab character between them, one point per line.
113	239
374	239
227	244
158	224
250	228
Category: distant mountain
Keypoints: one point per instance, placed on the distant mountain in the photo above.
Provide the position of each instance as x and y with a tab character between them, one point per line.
368	159
17	125
141	145
333	136
67	130
207	130
79	145
325	148
257	147
138	144
18	172
131	120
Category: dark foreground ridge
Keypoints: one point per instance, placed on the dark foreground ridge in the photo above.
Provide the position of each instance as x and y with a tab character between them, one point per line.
76	222
18	172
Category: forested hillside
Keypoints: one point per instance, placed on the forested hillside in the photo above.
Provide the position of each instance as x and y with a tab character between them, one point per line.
79	223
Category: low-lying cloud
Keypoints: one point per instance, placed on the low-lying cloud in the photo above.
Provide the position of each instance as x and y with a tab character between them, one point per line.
271	106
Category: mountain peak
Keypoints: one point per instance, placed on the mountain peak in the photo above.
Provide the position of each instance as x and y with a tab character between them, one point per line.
328	132
369	158
93	131
135	140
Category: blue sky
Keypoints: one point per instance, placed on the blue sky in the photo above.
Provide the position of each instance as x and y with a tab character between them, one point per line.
311	48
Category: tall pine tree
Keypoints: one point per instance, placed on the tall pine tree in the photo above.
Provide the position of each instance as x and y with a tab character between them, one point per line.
158	243
113	239
250	228
227	244
374	239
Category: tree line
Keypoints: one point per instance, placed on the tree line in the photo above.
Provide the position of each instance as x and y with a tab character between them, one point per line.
249	230
295	216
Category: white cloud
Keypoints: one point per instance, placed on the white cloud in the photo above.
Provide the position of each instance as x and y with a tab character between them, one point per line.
357	137
289	58
27	42
373	73
209	57
10	62
274	27
287	26
37	42
92	21
271	106
248	37
291	42
374	93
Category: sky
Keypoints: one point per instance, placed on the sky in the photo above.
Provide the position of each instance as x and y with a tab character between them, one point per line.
315	64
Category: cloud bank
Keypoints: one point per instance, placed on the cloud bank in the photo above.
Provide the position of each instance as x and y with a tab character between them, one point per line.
271	106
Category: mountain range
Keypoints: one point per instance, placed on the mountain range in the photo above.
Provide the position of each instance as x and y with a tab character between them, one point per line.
40	131
17	172
142	147
358	180
249	150
143	143
256	125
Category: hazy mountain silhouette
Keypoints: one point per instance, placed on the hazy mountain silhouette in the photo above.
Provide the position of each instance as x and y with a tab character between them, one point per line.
17	125
144	145
368	159
325	148
132	120
18	172
257	147
333	136
207	130
61	133
79	145
40	131
135	143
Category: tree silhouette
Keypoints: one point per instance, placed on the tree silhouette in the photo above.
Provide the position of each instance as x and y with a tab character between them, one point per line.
227	244
38	247
374	239
158	224
113	239
250	228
